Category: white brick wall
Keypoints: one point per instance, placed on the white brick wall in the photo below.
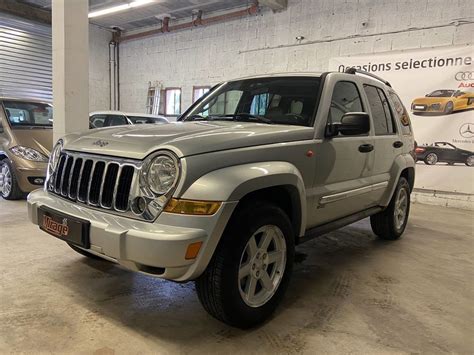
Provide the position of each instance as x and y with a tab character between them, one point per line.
207	55
98	68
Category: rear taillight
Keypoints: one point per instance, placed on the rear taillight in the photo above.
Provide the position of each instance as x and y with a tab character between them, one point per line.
419	150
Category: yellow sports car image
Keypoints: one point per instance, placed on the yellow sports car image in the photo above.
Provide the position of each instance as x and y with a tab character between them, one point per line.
443	102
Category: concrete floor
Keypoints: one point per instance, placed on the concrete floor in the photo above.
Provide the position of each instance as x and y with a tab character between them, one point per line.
350	293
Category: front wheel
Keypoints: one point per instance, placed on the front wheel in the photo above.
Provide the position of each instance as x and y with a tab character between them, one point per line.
391	222
448	109
251	267
9	188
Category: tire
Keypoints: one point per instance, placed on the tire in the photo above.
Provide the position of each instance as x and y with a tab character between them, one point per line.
431	159
470	160
85	253
448	108
220	290
387	224
9	188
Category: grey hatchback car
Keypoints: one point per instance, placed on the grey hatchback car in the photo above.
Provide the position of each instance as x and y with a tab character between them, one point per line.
253	168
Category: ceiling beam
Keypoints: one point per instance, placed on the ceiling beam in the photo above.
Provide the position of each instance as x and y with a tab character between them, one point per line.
275	5
25	11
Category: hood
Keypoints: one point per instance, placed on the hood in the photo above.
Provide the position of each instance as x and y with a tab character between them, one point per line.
40	139
430	100
184	138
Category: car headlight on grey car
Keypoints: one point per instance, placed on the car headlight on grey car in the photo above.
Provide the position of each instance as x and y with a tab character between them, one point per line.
28	153
162	174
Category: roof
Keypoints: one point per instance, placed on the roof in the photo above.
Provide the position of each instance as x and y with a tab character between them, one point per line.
111	112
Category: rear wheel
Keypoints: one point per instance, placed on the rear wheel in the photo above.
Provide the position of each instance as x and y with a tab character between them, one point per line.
391	222
470	160
250	270
9	188
431	159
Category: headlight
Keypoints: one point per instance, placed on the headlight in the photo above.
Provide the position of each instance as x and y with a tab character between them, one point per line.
162	174
55	154
28	153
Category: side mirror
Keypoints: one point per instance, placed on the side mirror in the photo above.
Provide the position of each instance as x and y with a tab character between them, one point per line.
352	124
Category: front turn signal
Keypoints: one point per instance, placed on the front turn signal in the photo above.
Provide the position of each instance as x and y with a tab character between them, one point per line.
192	207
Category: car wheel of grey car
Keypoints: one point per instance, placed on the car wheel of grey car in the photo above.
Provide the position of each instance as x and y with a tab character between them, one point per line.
431	159
8	185
251	267
470	160
448	108
85	253
391	222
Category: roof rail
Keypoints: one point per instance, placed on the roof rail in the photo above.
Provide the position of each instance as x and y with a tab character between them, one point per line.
353	70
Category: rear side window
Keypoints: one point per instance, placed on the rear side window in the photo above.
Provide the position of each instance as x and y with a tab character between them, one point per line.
400	112
380	109
345	98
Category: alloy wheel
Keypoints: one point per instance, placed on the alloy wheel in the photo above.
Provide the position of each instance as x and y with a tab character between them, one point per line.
262	265
5	180
401	207
470	160
432	159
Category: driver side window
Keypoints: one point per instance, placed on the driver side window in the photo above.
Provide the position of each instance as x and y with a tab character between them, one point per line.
345	98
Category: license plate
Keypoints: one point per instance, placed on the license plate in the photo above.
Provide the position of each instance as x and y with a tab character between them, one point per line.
417	107
70	229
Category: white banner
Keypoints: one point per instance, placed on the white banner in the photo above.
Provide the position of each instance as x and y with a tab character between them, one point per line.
437	88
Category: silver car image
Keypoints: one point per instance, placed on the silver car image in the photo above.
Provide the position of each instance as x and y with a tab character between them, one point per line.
253	168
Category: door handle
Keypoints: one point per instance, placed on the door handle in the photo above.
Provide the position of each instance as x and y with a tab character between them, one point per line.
366	148
397	144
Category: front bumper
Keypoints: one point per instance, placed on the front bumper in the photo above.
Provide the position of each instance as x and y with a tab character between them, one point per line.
156	249
27	173
434	108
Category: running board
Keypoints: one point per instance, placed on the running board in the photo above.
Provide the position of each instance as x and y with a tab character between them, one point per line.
329	227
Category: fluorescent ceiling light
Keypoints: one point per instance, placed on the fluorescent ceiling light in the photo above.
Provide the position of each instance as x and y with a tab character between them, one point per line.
119	8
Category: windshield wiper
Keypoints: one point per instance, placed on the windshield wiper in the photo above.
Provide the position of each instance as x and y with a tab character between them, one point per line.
249	117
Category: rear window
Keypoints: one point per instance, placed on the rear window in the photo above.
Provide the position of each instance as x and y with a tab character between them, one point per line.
400	112
23	113
144	119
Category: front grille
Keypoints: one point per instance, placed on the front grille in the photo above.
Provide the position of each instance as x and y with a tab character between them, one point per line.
93	180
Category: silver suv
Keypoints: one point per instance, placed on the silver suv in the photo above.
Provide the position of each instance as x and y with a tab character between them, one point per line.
222	197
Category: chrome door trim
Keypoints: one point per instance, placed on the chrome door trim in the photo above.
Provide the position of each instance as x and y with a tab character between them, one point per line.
351	193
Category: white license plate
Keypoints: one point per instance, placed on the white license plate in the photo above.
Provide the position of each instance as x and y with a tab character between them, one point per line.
418	107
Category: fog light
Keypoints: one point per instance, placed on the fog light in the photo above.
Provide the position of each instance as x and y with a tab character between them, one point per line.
139	205
36	180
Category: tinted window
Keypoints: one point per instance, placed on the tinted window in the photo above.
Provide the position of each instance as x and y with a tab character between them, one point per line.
400	112
379	107
97	121
345	98
115	120
21	113
281	100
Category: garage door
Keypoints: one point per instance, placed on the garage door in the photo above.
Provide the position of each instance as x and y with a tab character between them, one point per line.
25	59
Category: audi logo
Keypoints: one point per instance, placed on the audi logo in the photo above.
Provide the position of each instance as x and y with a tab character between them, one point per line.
464	76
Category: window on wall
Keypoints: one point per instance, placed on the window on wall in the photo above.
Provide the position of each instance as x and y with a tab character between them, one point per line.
198	91
172	101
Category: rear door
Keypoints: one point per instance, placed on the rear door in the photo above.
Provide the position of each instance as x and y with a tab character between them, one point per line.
342	164
387	143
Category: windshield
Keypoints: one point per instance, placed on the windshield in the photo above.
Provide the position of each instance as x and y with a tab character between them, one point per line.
278	100
144	119
441	93
23	113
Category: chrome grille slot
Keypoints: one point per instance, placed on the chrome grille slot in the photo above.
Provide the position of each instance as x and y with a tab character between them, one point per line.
123	188
96	183
110	179
66	176
84	181
100	182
